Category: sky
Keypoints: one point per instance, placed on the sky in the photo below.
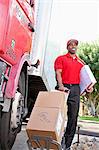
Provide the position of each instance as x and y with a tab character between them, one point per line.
77	19
74	19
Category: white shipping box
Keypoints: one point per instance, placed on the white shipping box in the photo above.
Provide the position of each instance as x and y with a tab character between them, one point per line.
87	78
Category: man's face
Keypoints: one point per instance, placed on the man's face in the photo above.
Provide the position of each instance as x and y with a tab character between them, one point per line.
72	48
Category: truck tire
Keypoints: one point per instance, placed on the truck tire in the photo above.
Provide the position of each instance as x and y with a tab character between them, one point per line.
12	121
0	124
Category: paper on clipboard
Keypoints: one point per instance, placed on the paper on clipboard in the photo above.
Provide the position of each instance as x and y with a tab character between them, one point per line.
87	78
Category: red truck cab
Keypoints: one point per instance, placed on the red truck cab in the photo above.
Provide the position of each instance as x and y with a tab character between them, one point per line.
16	32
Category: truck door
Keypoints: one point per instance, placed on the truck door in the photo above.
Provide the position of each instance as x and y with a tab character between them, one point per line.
19	31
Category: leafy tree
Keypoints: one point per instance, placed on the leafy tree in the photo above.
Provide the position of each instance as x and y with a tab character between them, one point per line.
89	52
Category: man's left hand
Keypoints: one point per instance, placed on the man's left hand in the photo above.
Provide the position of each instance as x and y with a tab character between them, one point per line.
89	90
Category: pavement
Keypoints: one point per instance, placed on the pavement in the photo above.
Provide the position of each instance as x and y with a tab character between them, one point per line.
88	129
21	141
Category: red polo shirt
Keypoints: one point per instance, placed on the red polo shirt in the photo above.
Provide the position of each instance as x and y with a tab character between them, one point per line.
70	68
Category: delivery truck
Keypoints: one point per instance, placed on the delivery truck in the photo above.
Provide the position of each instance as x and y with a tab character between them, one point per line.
24	26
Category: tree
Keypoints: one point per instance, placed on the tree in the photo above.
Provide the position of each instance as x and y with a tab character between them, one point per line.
89	52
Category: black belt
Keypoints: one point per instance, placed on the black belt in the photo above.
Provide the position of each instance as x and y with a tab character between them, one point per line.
70	85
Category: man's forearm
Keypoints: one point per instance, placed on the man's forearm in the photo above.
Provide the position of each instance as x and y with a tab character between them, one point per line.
59	77
59	80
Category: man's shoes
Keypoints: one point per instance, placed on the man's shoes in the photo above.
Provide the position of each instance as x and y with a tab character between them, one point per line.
66	148
63	142
63	145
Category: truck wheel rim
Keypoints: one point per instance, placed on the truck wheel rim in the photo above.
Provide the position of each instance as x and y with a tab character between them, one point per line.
17	110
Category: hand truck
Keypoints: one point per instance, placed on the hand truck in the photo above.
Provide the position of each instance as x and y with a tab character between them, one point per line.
48	141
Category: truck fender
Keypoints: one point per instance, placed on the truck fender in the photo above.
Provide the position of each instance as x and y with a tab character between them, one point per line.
13	80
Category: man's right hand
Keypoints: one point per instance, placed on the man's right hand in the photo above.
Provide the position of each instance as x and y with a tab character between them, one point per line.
62	88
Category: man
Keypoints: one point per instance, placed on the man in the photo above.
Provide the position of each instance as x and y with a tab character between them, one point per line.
67	68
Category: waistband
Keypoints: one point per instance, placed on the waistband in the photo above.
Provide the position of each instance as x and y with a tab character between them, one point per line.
70	85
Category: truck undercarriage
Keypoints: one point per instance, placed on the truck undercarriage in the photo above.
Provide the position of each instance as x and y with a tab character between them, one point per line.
11	119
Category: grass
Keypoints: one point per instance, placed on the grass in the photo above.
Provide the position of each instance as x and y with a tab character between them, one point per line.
91	118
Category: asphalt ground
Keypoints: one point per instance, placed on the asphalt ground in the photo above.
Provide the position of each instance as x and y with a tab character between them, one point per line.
88	129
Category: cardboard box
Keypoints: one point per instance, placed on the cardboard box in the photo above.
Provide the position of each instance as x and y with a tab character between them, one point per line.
87	78
53	99
48	117
56	99
45	122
